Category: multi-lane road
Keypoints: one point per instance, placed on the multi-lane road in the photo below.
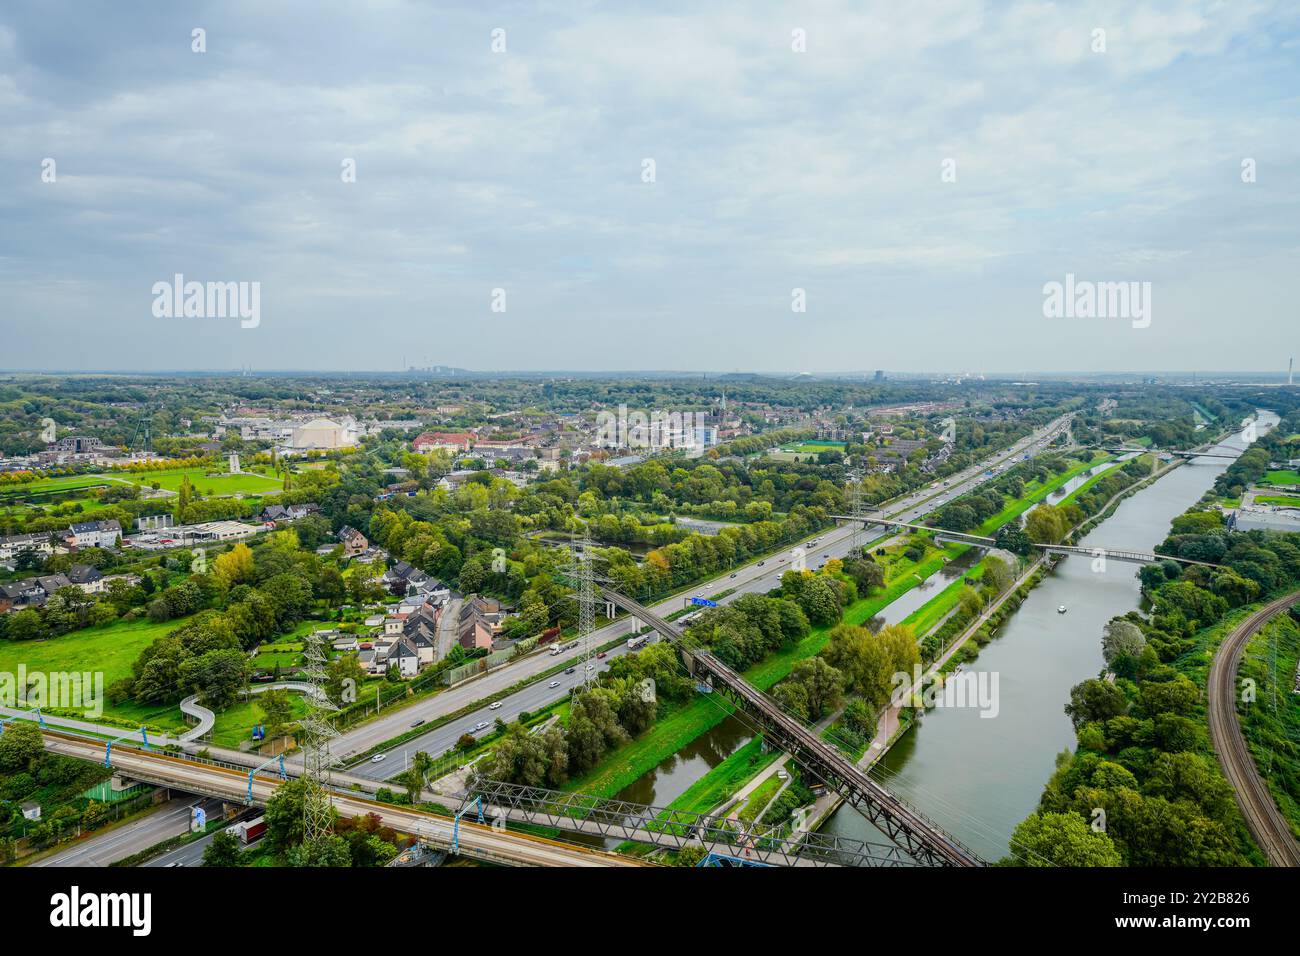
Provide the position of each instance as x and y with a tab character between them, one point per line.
108	846
757	577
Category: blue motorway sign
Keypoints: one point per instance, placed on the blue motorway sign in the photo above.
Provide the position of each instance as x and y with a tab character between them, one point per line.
703	602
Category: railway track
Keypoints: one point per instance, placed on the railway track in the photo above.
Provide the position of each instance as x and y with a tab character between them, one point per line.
1267	824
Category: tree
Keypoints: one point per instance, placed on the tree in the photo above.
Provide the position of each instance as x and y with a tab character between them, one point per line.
1094	699
224	850
343	676
822	684
330	850
20	746
284	816
1122	644
1046	525
819	601
1060	839
217	676
234	566
997	574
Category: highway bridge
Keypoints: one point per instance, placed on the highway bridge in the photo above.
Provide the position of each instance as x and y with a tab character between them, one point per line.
980	541
922	839
460	835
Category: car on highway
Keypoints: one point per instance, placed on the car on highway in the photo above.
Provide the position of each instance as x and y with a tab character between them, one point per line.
761	563
378	758
570	670
417	723
495	705
733	575
591	667
554	683
600	655
481	725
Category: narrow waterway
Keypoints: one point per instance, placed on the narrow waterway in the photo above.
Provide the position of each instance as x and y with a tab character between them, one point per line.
979	776
670	779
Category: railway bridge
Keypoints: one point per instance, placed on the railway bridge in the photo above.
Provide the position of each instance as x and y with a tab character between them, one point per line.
921	838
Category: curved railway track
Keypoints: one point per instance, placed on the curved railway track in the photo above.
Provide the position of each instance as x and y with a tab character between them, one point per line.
1267	824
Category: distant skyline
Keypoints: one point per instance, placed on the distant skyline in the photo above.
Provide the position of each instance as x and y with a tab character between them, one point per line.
915	174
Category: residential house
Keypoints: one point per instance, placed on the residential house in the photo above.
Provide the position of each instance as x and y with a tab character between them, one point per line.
284	513
354	542
87	577
402	577
479	623
403	655
14	545
94	534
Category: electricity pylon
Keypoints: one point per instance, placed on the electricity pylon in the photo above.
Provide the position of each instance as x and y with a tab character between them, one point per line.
582	578
317	732
858	509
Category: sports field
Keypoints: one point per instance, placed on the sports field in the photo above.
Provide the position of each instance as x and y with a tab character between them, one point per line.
216	485
1286	477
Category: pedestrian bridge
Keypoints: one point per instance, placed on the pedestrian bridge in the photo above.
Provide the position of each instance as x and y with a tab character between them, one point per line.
980	541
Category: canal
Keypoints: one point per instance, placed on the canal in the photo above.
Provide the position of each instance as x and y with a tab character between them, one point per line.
978	777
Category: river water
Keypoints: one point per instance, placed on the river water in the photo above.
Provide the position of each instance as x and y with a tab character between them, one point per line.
978	777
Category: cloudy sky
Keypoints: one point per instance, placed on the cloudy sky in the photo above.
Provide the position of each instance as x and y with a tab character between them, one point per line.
919	170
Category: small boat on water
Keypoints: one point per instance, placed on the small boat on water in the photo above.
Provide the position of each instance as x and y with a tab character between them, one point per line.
1061	609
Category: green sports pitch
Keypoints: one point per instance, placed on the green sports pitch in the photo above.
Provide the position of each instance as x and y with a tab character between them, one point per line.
813	447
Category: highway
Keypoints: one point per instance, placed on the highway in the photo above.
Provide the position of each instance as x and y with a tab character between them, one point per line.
480	842
1267	824
107	846
757	577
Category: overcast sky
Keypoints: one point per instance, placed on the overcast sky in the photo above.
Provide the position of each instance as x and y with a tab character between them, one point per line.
774	170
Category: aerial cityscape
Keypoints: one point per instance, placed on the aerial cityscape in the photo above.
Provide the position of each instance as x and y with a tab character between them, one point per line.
475	440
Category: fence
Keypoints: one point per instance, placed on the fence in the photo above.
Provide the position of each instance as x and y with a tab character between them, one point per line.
477	666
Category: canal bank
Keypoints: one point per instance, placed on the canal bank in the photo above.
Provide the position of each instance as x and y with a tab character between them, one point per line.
979	776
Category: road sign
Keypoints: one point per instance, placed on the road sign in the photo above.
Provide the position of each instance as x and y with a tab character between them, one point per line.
703	602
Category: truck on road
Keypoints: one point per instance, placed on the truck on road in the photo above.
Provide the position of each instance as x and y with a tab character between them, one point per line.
249	830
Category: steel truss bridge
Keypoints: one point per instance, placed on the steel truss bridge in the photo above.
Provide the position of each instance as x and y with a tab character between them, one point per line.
919	837
981	541
672	829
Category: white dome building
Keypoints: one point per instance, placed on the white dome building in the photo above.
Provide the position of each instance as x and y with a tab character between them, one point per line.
319	433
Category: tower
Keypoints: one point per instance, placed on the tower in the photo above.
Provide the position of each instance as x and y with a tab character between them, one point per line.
582	578
858	509
317	732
